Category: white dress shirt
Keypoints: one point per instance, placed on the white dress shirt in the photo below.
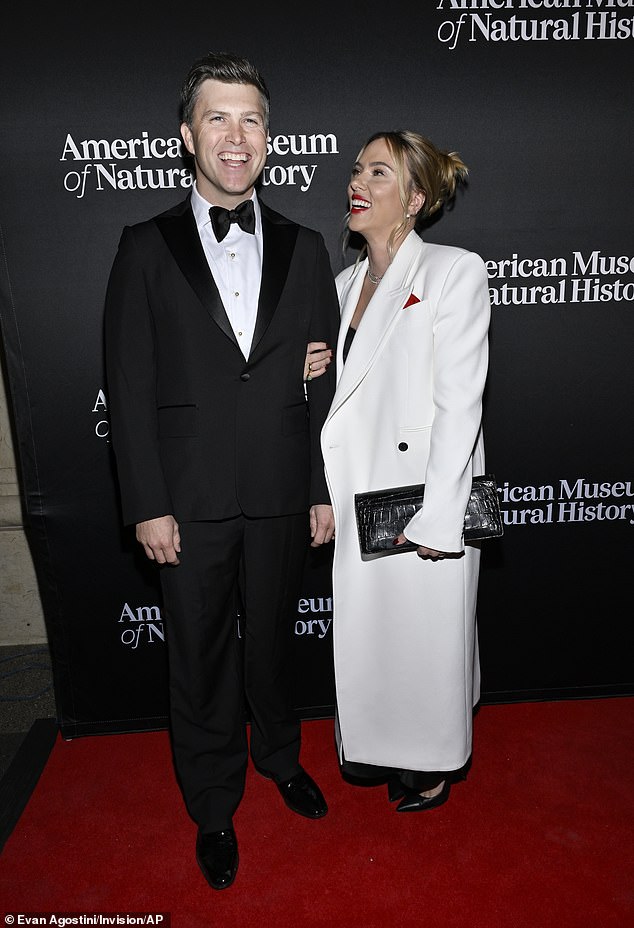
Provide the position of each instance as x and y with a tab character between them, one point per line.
236	265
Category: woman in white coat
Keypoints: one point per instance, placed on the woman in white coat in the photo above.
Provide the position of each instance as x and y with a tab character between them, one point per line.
412	361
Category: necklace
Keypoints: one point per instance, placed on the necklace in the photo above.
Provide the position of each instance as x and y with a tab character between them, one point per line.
374	278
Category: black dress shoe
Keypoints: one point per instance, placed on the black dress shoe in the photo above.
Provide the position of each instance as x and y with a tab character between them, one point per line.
302	795
217	856
414	802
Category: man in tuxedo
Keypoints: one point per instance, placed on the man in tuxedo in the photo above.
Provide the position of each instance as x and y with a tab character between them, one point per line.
209	310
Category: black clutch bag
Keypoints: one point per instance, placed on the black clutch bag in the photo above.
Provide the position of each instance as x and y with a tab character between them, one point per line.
383	514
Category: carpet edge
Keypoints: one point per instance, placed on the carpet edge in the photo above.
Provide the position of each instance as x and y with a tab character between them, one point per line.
22	775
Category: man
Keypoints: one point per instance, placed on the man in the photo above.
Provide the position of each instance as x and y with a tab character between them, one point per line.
216	438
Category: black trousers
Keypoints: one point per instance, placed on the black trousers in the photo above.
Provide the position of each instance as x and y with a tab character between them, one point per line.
417	780
219	679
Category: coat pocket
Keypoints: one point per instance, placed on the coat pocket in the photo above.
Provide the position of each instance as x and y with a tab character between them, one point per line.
414	316
295	419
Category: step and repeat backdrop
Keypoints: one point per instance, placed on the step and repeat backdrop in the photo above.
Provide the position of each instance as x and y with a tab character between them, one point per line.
536	95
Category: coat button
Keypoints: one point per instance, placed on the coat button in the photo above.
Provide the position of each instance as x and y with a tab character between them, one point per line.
245	377
403	446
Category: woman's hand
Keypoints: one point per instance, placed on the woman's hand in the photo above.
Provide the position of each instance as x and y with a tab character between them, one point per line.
430	553
318	357
424	552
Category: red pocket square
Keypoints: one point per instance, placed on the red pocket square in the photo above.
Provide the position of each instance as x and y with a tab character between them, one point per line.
411	300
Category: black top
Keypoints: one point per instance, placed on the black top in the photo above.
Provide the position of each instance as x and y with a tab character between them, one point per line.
347	342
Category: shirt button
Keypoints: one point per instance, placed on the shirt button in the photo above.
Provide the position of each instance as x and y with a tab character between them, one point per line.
245	377
403	446
237	293
232	254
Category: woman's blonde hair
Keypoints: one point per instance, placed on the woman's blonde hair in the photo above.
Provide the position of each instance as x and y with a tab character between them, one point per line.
420	167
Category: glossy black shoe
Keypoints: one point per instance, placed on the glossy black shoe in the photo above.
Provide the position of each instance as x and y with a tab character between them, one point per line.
302	795
217	856
395	789
414	802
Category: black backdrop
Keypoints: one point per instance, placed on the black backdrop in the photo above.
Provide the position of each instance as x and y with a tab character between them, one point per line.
537	101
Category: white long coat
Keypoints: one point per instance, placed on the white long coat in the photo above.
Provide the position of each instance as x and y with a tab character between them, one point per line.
407	409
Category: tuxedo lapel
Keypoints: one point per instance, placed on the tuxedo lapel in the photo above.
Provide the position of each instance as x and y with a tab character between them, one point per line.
182	238
279	243
178	228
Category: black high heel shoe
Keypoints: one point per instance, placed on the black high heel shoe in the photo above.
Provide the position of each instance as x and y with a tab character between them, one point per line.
395	789
414	802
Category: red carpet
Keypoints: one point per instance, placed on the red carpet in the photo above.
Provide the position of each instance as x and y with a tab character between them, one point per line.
539	835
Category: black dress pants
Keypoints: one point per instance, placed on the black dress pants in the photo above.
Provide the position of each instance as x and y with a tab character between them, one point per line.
218	679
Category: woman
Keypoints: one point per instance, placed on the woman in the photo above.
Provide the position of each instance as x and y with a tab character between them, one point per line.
412	361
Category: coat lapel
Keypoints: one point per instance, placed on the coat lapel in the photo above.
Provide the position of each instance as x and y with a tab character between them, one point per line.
181	236
178	228
279	239
380	317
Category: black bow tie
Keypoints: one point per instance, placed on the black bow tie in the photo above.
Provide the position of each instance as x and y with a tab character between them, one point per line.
222	218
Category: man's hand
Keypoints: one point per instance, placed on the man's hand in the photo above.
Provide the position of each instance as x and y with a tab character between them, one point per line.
160	539
322	525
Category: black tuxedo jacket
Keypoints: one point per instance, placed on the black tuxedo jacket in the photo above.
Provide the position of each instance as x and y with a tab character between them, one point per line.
198	431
